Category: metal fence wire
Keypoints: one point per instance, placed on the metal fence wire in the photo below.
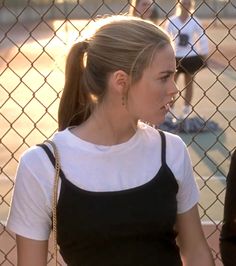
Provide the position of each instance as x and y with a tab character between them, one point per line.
34	39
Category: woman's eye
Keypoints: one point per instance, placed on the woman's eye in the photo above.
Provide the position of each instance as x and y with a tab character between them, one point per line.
164	78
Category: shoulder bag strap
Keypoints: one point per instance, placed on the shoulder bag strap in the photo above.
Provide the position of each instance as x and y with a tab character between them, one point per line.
54	197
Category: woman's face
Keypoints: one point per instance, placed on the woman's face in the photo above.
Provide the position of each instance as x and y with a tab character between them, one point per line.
144	8
149	98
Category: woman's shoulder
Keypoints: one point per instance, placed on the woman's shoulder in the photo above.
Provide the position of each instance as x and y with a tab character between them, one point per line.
172	140
175	147
35	167
32	154
35	153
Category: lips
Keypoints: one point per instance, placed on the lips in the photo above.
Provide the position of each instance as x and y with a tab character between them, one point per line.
166	107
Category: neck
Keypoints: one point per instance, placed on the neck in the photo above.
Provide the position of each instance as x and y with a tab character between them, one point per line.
107	127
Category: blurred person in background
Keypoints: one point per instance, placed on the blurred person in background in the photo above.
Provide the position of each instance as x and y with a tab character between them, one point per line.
146	9
228	232
191	47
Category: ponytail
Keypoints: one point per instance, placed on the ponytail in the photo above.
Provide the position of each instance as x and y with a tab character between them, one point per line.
75	103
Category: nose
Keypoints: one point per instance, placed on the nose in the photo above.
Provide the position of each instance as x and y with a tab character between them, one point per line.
173	89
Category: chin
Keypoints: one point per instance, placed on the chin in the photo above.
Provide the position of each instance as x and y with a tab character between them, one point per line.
155	119
159	121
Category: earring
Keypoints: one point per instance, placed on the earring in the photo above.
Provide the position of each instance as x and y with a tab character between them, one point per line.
123	100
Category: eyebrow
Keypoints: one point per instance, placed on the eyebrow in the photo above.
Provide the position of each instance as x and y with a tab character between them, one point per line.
168	72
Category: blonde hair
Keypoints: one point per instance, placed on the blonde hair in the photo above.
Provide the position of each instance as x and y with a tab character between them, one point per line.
119	43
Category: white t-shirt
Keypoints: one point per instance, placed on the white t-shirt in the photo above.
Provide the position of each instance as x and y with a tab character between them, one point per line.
189	37
95	168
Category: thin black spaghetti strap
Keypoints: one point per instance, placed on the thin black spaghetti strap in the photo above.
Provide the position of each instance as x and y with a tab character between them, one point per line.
51	158
163	147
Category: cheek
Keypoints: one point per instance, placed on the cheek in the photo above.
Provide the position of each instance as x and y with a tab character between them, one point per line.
150	92
158	91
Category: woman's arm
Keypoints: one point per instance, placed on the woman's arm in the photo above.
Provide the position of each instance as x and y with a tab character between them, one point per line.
31	252
191	240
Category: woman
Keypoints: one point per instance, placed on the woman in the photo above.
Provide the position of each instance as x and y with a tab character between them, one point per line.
191	47
123	196
228	232
145	9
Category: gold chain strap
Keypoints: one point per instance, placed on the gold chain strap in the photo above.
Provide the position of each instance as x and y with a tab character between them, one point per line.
54	197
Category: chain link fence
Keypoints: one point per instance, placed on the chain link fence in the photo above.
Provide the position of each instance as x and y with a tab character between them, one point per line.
35	37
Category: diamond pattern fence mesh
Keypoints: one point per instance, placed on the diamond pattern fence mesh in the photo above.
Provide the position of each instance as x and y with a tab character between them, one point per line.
35	37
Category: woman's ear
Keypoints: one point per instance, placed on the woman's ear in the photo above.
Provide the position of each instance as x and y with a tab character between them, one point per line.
120	81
